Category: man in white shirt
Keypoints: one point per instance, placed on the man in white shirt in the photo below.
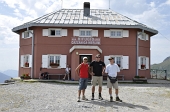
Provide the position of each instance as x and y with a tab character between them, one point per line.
111	70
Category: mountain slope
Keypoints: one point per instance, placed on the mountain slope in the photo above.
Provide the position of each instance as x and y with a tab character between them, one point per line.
4	77
164	65
11	73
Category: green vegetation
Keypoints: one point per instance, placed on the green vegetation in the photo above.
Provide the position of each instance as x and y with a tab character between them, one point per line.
164	65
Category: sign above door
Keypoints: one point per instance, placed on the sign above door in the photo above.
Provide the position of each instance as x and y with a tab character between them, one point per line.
85	40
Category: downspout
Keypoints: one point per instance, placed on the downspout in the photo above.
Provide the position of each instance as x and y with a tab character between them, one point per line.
32	66
137	52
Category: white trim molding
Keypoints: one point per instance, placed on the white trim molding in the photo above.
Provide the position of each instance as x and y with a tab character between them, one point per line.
85	47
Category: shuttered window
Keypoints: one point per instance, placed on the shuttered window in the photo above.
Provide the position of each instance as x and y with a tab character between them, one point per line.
27	34
85	33
116	33
53	32
121	61
54	61
26	60
143	62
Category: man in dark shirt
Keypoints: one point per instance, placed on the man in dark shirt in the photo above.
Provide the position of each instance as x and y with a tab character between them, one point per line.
97	71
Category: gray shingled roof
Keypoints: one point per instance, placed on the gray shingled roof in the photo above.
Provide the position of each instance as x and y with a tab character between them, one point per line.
101	18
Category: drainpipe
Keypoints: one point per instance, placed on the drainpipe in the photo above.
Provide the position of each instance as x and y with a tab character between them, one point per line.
137	51
32	66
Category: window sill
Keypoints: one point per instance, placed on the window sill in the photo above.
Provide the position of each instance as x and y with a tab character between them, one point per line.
55	36
54	68
26	67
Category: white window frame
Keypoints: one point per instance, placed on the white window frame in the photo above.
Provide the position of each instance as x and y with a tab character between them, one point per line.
54	55
27	34
143	36
143	61
46	61
121	60
56	35
26	59
116	34
85	30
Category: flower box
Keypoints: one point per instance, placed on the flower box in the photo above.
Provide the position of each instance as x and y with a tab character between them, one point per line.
139	79
54	65
25	76
26	64
142	66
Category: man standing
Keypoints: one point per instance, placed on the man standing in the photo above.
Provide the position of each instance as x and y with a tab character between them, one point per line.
97	71
111	70
82	72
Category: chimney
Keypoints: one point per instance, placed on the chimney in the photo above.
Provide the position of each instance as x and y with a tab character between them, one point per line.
86	8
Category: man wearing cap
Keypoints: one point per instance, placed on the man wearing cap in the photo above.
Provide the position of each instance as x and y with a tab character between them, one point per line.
97	71
82	71
111	70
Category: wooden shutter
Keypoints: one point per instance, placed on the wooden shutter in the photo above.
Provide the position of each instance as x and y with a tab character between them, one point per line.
106	61
125	33
30	60
147	37
45	32
139	35
95	33
125	61
22	61
63	61
147	63
139	62
44	61
30	33
23	35
76	33
106	33
64	32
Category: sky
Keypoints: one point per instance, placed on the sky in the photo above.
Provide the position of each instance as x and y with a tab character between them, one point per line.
153	13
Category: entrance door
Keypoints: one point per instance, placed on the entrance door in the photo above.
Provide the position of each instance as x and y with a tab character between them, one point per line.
89	57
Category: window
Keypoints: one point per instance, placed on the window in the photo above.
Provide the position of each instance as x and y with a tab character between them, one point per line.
143	36
143	62
54	61
27	34
120	60
116	33
26	60
55	32
85	33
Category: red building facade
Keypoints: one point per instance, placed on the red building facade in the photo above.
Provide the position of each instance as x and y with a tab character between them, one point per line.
66	36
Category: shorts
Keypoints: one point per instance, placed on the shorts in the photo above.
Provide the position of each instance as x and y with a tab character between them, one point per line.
109	84
83	83
97	79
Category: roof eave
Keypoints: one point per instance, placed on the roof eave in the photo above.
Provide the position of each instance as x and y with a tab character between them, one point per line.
16	29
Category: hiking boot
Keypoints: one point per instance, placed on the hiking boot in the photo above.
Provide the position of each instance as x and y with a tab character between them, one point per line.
111	99
84	98
78	99
100	97
117	99
92	98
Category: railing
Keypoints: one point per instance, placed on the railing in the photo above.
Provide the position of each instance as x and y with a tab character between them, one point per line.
158	74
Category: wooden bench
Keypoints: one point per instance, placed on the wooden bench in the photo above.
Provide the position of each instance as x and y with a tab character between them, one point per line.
55	75
140	80
120	77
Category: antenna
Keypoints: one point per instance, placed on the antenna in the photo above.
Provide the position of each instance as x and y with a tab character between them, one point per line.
61	4
109	4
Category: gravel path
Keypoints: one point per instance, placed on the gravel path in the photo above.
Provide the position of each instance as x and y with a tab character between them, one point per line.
53	97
